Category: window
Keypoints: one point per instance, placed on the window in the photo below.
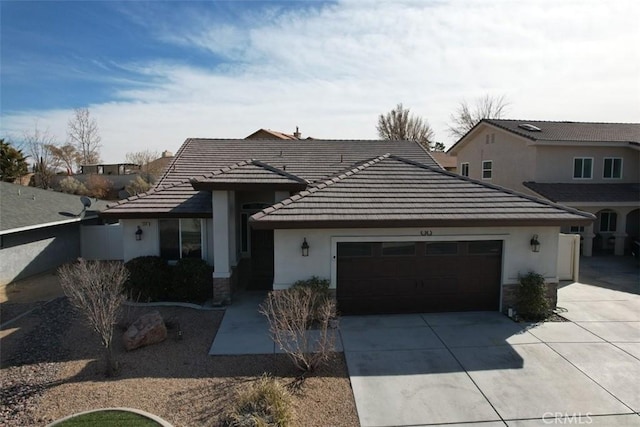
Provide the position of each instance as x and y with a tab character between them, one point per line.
608	221
612	167
442	248
398	248
180	238
355	249
487	169
485	247
464	169
582	167
577	228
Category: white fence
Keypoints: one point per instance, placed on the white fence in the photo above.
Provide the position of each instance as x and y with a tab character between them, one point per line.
568	256
101	242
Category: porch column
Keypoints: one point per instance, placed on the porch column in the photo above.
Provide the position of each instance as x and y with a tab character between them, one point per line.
221	264
587	242
621	233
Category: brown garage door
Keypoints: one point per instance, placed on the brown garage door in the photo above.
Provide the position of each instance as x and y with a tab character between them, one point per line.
403	277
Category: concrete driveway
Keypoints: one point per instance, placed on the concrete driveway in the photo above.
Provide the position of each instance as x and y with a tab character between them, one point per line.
483	369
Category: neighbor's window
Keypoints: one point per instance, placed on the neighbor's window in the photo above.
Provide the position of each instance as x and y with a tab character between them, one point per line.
464	169
487	169
612	167
577	228
582	167
608	221
180	238
398	248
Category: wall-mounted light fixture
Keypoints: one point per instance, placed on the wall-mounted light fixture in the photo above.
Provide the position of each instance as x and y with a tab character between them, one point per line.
305	247
535	244
139	233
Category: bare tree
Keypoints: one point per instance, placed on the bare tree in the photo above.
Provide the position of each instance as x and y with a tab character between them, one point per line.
145	159
467	116
66	156
95	288
399	124
37	143
82	132
290	313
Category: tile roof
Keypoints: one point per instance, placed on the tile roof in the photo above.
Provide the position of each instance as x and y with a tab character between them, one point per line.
311	160
563	193
175	200
392	191
29	207
572	131
224	161
270	134
248	173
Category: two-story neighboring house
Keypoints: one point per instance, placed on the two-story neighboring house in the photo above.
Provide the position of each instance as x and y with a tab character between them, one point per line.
592	167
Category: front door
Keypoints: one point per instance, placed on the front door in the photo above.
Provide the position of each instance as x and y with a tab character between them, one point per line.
261	260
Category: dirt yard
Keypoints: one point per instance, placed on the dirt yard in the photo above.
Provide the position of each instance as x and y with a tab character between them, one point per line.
52	367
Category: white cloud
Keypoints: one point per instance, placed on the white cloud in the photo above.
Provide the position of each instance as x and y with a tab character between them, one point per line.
332	70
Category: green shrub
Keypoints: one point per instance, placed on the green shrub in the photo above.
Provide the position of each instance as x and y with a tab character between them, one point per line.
265	403
192	281
532	303
149	279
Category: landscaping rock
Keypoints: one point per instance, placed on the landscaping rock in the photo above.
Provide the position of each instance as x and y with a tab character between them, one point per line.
148	329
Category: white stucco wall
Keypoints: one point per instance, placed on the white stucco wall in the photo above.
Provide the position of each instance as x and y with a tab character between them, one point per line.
518	258
150	243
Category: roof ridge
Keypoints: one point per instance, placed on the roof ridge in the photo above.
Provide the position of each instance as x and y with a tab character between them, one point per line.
320	185
174	159
561	121
280	171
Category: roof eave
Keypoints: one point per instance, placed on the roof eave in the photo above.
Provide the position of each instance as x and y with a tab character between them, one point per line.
247	186
145	215
466	223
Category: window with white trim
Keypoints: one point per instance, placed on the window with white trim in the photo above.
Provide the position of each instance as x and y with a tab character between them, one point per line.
612	168
464	169
577	228
608	221
487	169
180	238
582	168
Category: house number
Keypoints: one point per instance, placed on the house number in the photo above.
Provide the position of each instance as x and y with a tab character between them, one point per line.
425	233
146	223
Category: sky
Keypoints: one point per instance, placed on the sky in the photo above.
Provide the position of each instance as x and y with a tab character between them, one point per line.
155	73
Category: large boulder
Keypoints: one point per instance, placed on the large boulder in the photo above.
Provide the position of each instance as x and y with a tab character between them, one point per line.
148	329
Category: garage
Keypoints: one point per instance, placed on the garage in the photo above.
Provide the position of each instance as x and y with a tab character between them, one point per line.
406	276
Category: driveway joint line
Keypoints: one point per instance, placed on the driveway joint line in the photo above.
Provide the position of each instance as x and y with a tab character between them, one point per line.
468	375
588	376
611	342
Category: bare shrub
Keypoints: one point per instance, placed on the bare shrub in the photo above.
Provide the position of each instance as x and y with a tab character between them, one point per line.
73	186
98	186
290	313
95	288
264	403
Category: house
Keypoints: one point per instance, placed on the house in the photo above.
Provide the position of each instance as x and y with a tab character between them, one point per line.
40	229
274	134
381	219
593	167
445	160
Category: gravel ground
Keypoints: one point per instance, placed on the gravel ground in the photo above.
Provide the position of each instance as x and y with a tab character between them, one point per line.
52	367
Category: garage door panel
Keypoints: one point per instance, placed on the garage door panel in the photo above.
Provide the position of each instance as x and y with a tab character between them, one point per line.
419	276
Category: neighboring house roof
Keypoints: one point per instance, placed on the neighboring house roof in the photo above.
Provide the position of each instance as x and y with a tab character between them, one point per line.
396	192
564	193
445	160
628	133
210	163
25	208
270	134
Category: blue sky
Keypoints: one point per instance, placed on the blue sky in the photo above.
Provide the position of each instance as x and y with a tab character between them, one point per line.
155	73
